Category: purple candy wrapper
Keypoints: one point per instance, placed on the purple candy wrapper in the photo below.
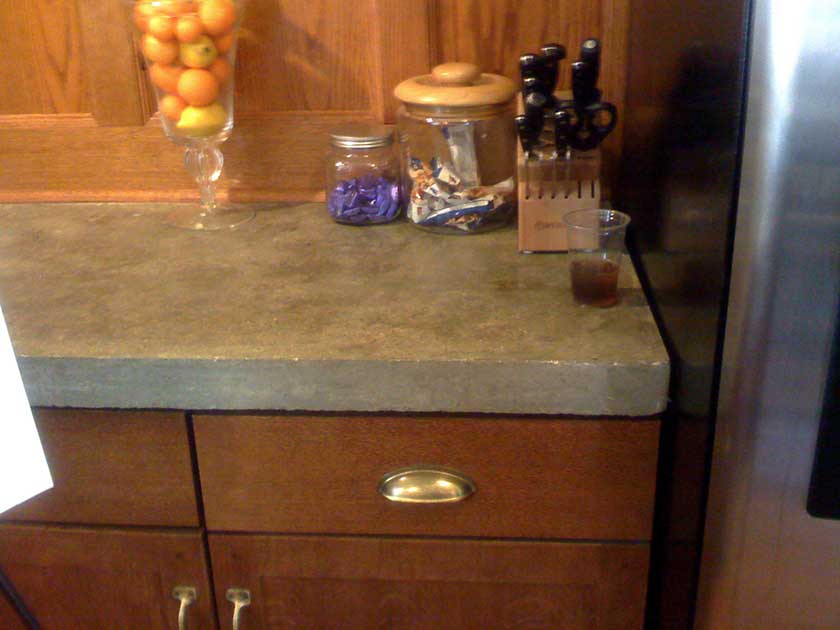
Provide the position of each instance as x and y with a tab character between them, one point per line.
366	199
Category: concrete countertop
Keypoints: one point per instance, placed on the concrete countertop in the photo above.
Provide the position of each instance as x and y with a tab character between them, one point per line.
109	307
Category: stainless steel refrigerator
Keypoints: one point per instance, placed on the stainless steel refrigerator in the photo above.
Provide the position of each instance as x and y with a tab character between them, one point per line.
731	173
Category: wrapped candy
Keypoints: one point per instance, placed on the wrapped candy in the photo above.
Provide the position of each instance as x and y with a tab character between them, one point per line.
366	199
440	199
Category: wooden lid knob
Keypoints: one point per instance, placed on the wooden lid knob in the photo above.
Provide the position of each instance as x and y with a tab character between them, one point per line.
456	73
456	84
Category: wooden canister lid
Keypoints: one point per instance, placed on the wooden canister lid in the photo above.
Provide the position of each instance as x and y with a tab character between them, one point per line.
456	84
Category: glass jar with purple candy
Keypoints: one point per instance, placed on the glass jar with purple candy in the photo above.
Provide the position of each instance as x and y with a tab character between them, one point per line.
363	175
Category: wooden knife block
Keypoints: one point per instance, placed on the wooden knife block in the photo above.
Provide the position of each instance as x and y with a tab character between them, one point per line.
548	189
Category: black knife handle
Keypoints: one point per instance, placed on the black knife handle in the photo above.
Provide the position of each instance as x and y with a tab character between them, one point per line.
535	103
590	52
552	54
583	85
526	134
529	66
562	130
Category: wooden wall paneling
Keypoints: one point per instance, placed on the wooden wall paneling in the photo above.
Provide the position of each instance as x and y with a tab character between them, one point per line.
402	49
276	157
42	58
116	83
310	56
20	91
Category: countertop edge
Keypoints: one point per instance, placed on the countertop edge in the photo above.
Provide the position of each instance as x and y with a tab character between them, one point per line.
532	387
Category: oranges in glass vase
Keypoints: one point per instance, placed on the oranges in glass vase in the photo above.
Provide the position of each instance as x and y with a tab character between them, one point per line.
190	48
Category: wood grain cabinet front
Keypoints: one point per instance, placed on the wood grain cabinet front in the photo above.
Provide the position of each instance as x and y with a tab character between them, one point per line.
536	478
105	579
114	468
337	583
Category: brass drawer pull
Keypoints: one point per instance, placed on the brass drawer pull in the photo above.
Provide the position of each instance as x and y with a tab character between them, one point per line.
186	595
426	484
240	597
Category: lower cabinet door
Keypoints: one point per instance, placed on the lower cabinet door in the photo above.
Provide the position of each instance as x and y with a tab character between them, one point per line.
348	583
104	579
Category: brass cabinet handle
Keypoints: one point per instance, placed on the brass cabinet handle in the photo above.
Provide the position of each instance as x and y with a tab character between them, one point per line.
426	484
186	595
241	598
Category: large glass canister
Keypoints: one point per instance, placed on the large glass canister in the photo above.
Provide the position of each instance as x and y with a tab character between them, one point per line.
457	145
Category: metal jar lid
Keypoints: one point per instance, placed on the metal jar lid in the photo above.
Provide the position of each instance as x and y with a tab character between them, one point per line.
361	136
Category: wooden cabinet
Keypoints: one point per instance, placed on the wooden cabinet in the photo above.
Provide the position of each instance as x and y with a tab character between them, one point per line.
102	579
590	479
335	583
114	468
555	536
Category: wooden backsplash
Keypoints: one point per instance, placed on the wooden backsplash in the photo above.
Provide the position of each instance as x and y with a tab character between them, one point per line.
77	117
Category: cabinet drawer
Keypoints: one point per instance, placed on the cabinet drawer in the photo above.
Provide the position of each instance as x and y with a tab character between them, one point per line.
114	468
538	478
347	583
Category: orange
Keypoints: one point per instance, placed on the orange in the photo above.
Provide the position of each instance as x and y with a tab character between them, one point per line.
223	43
162	27
172	106
220	69
178	7
189	29
198	87
156	50
165	77
217	16
142	12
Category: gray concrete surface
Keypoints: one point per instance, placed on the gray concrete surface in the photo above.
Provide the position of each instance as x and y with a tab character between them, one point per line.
109	307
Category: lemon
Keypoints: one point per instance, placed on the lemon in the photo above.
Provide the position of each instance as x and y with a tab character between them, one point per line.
202	121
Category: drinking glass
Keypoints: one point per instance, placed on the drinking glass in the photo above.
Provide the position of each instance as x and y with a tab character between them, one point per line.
596	247
190	50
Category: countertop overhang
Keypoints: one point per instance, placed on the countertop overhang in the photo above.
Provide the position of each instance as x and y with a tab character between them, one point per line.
108	306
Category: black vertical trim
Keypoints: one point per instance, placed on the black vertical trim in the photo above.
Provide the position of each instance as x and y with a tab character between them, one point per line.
199	499
14	598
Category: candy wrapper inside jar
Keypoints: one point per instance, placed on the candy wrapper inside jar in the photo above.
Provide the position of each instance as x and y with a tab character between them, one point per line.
440	199
366	199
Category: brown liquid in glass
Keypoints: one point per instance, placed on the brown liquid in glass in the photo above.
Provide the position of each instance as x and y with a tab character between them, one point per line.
595	282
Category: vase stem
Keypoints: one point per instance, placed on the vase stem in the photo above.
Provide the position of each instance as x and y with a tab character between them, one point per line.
204	162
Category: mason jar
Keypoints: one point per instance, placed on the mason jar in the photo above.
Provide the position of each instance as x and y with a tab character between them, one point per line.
458	149
363	175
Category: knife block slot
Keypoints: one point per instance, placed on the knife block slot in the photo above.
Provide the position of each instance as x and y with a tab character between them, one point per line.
549	187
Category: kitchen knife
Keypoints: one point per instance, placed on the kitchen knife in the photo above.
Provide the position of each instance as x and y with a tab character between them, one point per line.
552	55
562	135
535	103
528	137
590	52
584	91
